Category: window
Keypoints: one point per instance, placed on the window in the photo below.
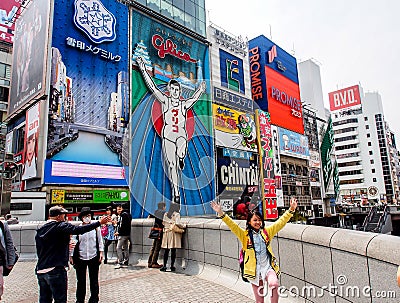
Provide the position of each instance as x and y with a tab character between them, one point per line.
368	135
369	143
365	118
366	126
373	170
372	161
370	152
5	71
373	179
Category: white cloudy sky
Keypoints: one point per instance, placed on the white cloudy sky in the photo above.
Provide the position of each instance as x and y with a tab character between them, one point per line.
356	41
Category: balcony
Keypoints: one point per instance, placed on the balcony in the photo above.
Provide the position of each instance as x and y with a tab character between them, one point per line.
301	200
350	168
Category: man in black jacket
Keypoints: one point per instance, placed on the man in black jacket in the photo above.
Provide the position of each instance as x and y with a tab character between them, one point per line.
52	247
158	223
123	234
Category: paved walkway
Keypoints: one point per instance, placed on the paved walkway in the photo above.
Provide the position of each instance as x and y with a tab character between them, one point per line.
133	284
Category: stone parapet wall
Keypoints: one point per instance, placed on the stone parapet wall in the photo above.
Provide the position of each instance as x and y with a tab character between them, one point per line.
320	263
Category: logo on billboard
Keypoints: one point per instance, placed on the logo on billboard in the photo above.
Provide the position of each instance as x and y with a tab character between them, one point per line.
272	54
344	98
93	18
169	47
232	75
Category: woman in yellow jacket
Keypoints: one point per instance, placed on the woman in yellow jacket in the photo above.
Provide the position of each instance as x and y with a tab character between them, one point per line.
260	263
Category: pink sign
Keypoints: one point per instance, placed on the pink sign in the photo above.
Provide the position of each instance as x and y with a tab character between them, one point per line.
8	14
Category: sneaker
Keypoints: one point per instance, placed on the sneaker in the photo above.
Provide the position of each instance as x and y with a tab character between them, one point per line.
173	268
118	266
126	263
181	164
163	268
156	266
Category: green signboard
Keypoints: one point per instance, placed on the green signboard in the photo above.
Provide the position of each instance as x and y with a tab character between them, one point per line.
61	196
326	150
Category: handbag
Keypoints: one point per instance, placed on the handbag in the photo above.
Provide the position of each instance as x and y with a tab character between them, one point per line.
155	233
6	270
104	230
176	229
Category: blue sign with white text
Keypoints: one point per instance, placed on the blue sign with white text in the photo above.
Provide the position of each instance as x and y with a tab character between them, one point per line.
89	93
273	56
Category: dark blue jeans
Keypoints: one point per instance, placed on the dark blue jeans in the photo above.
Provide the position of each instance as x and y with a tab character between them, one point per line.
53	285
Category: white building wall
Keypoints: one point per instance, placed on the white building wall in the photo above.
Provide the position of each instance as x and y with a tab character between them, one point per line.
367	146
311	86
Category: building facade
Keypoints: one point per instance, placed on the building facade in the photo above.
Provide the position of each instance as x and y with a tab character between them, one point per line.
362	147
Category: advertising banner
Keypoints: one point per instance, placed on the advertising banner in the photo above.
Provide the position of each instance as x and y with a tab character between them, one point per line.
230	70
264	136
171	125
345	98
30	55
326	150
61	196
234	129
274	57
236	176
8	14
32	128
293	144
315	160
284	102
277	167
89	93
264	55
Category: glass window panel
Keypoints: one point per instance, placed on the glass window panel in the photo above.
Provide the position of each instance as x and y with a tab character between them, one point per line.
154	5
141	2
166	9
179	15
190	8
190	22
179	4
201	14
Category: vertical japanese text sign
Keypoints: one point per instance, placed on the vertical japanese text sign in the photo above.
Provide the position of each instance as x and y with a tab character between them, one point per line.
264	135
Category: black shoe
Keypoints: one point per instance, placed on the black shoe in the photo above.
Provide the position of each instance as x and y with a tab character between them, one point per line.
177	200
173	268
181	164
105	261
163	268
125	263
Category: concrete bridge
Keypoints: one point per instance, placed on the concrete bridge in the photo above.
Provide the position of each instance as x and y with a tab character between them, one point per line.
318	264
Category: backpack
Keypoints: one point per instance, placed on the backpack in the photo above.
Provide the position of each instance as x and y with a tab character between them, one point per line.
6	270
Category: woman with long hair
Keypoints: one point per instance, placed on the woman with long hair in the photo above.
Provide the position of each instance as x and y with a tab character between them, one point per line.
260	264
172	236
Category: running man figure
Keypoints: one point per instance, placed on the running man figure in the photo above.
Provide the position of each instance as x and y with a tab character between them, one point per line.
174	136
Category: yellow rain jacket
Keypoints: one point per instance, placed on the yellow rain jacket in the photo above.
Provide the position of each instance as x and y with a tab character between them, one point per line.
250	262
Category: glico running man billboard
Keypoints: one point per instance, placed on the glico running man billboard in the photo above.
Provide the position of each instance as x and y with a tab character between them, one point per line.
88	106
171	125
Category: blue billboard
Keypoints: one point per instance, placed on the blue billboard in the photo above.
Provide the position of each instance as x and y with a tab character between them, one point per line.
263	52
171	125
293	144
89	93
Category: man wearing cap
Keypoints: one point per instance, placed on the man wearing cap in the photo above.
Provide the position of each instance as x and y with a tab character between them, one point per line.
52	248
